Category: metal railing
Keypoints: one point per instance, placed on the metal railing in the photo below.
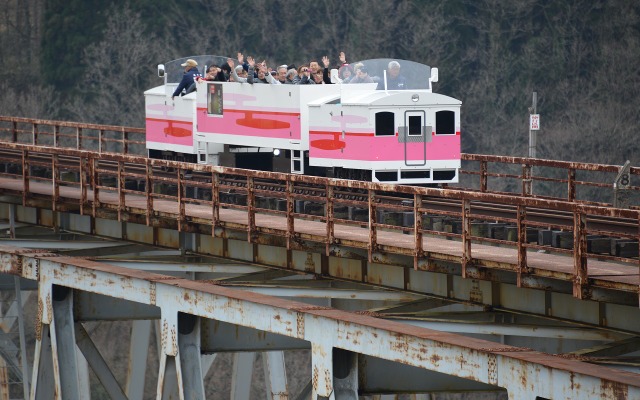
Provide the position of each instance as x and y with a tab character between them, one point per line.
559	180
73	135
130	187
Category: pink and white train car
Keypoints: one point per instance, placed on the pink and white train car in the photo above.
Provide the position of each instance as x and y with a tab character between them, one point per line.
355	131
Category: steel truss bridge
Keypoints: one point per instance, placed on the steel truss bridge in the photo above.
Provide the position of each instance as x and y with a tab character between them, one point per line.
381	290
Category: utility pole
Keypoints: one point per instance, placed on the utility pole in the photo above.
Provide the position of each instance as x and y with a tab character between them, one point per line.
534	125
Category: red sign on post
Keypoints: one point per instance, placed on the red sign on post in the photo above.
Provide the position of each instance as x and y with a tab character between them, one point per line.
534	122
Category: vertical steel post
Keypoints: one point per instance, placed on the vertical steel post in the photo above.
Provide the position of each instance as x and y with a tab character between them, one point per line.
373	223
56	132
466	233
483	176
148	190
93	164
290	212
14	132
418	251
120	181
25	176
527	183
55	171
571	184
330	217
189	356
215	201
82	177
522	239
34	134
251	210
100	138
581	276
78	138
181	203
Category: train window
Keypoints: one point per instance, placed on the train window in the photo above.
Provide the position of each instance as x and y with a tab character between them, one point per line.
445	123
415	125
385	124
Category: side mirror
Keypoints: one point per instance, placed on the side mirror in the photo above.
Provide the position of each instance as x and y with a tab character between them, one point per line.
434	75
161	70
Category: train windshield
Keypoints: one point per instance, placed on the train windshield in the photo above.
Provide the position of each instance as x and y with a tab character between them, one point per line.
174	70
399	74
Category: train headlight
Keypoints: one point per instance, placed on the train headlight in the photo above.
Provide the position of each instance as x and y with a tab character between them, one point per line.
276	152
415	98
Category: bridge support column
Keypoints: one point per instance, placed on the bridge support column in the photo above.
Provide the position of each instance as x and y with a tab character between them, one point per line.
170	371
322	372
189	351
275	375
55	368
64	343
43	381
138	353
241	375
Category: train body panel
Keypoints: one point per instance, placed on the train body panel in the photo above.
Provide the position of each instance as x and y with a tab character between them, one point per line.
169	125
406	136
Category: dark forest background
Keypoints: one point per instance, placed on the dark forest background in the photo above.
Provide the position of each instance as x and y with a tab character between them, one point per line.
91	60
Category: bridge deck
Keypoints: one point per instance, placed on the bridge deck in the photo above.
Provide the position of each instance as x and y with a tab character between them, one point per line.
601	273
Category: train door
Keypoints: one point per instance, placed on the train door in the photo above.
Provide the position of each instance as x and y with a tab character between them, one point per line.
414	135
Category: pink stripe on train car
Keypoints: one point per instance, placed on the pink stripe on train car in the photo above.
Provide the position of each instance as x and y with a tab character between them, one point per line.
269	124
366	147
169	131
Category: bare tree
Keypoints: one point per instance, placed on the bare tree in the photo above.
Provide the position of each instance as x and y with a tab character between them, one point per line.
120	69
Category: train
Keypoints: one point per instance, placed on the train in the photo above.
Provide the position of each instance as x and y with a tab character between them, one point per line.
363	131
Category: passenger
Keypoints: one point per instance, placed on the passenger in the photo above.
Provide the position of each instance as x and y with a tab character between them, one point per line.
345	73
291	75
214	73
241	61
282	74
395	81
188	79
322	76
362	76
303	77
238	74
262	74
226	71
314	66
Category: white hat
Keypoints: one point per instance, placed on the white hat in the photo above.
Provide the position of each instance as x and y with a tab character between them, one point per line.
189	63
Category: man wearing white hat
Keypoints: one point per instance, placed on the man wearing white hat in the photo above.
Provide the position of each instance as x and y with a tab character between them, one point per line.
190	74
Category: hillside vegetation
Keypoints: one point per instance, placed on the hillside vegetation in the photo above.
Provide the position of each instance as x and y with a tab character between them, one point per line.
90	60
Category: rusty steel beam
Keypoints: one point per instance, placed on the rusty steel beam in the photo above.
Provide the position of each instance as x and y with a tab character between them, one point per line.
525	374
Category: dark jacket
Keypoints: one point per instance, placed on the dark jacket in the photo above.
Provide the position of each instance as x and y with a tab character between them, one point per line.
399	83
326	76
305	80
187	80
